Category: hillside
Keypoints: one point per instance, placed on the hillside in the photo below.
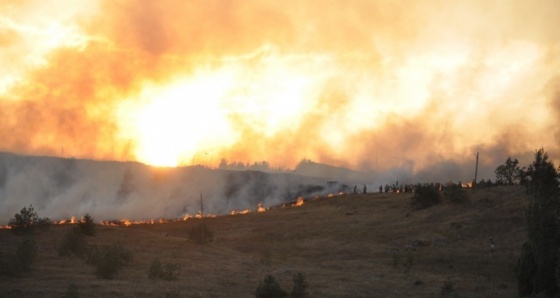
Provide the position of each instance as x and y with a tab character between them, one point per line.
345	245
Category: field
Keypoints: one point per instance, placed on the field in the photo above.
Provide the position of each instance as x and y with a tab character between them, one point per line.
366	245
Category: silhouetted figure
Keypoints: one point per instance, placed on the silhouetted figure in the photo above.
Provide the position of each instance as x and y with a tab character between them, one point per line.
355	189
365	189
380	189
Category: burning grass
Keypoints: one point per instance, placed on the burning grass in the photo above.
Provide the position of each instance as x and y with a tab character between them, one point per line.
345	245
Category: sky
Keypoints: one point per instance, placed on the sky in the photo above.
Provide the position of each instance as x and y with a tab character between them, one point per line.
368	85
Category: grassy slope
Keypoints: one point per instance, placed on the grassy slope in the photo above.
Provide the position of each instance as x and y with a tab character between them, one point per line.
345	246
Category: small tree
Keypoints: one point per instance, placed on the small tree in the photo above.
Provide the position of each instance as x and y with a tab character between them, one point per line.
87	226
454	193
74	242
109	260
27	221
425	196
509	173
269	288
299	289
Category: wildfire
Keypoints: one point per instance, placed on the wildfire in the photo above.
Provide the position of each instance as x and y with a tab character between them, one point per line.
234	212
299	202
260	208
64	221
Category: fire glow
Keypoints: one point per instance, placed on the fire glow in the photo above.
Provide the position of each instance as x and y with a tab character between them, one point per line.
163	82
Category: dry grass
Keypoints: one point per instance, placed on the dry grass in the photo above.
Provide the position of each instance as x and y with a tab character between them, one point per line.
344	245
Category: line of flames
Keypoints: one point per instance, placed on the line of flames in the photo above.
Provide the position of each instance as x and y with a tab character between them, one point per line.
127	223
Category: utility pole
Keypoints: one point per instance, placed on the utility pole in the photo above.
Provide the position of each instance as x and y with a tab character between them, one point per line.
202	222
476	169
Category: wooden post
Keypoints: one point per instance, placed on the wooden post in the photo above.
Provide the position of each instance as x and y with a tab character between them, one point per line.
476	169
202	222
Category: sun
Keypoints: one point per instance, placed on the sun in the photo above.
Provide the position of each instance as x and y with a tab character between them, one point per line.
171	123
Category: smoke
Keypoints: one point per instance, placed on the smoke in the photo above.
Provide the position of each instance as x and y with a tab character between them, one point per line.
369	85
60	188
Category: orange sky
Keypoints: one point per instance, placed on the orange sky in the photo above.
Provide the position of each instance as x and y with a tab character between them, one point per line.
363	84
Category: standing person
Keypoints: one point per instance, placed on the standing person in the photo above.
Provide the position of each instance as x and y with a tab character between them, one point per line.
355	189
365	189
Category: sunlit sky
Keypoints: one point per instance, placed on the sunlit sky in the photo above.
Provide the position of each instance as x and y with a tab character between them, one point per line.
360	84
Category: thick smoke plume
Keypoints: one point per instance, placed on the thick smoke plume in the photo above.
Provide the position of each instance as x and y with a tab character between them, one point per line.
61	188
369	85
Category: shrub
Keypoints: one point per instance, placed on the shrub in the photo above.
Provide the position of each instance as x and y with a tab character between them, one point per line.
87	226
21	260
200	234
166	271
455	194
299	288
408	262
425	196
27	221
448	287
25	254
396	259
74	242
269	288
109	260
71	291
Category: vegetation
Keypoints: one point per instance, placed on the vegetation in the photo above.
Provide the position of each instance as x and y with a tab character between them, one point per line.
448	287
425	196
455	193
21	260
509	173
536	269
269	288
87	226
71	291
165	271
74	242
27	222
109	260
299	290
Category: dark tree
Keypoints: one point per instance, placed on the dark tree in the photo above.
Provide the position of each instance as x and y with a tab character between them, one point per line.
27	221
269	288
509	173
87	226
536	267
223	164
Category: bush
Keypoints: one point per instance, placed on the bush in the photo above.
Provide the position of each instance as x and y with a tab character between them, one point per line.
87	226
455	194
448	287
425	196
408	262
74	242
27	221
300	286
200	234
109	260
21	260
269	288
71	291
167	271
25	254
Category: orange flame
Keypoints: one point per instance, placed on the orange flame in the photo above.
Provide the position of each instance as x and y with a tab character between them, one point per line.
260	208
299	202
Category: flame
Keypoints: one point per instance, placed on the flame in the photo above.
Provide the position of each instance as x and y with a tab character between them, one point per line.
260	208
234	212
299	202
